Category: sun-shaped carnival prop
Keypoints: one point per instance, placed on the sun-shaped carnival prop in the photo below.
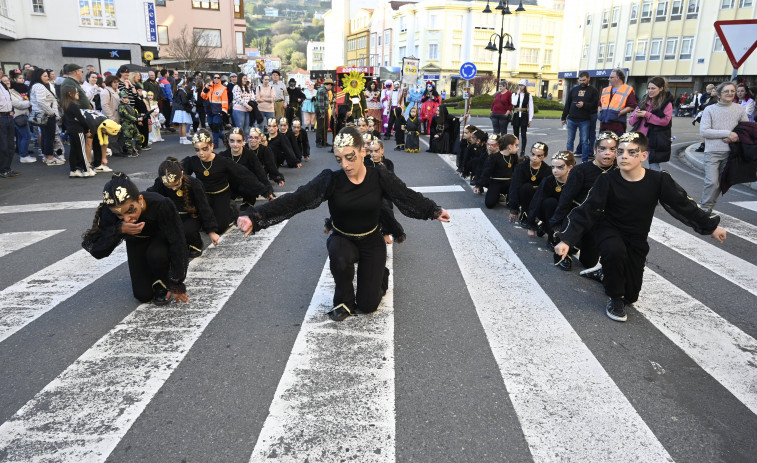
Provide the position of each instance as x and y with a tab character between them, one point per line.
353	83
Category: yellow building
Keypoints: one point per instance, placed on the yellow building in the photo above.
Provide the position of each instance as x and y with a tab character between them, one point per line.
356	45
444	34
674	39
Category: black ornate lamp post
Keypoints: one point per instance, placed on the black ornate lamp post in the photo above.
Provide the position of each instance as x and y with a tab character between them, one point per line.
504	7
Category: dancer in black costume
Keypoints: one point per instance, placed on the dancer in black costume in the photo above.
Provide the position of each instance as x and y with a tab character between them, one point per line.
527	176
496	175
155	247
282	148
354	195
257	143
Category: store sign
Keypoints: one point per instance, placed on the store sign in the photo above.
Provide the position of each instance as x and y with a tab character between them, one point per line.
680	79
428	77
150	24
604	73
410	71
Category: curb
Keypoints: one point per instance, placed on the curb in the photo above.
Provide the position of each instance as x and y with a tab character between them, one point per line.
688	157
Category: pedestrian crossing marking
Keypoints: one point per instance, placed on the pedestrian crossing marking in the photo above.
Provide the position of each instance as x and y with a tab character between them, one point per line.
738	227
566	402
83	413
713	258
724	351
337	390
47	207
10	242
751	205
35	295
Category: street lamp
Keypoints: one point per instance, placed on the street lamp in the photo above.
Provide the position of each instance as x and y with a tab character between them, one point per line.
504	7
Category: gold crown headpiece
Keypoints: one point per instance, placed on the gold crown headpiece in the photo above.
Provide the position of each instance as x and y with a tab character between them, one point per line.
629	136
201	137
168	178
539	146
607	135
562	156
343	140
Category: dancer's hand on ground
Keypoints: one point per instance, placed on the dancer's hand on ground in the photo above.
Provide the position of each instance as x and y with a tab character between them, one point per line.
444	216
178	297
245	224
562	249
214	238
513	217
132	228
719	234
478	191
531	233
388	239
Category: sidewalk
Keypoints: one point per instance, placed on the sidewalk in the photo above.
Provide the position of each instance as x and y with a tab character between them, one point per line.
695	160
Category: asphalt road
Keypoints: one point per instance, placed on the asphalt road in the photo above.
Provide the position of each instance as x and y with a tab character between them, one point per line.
482	350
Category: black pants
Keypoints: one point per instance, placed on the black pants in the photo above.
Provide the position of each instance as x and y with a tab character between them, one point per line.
225	213
148	262
321	131
191	226
495	188
7	136
77	146
623	262
546	210
526	193
144	130
199	121
372	277
520	126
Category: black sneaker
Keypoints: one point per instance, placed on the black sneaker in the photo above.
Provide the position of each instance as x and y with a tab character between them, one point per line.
594	273
616	309
700	149
160	294
540	231
339	313
194	252
522	220
564	264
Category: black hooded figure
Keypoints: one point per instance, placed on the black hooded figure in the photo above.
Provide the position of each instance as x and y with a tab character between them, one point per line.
296	97
442	126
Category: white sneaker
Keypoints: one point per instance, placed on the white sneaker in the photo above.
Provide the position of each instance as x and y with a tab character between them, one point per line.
53	162
76	173
90	172
109	152
61	158
28	159
102	168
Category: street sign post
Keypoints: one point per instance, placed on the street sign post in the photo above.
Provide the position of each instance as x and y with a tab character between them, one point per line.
739	40
468	71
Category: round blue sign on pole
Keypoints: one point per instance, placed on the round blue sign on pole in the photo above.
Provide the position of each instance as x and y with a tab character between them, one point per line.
468	71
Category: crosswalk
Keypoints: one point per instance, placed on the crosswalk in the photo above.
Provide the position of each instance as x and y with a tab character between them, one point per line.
337	398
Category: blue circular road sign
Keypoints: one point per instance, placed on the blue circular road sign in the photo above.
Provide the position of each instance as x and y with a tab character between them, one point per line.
468	71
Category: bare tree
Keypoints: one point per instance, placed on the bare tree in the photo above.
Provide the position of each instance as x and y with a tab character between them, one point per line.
192	48
483	84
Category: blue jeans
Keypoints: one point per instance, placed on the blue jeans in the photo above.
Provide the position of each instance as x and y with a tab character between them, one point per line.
266	115
583	130
23	135
216	122
242	120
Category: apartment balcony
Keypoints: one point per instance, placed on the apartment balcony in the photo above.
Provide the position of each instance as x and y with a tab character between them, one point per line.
7	28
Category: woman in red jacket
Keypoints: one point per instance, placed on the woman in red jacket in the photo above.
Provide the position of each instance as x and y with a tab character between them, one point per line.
502	108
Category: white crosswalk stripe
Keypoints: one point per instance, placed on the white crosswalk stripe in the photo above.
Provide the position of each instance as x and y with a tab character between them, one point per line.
751	205
330	361
565	400
10	242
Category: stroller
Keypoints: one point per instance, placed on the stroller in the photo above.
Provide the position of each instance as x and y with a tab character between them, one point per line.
686	110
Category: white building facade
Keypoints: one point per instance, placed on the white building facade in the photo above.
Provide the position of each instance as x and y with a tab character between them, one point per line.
50	33
336	26
315	56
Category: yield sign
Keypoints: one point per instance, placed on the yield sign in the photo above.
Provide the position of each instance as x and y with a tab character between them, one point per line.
739	39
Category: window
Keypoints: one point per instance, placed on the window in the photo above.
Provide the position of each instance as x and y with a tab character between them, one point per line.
459	22
588	20
416	53
433	51
38	6
727	4
378	40
662	11
687	45
238	9
671	48
605	19
402	52
641	50
601	52
160	2
403	24
457	52
615	16
610	51
208	37
387	37
655	49
718	47
97	13
529	55
745	3
163	35
693	10
432	19
548	57
4	8
629	50
676	10
585	53
373	41
634	13
240	42
646	12
205	4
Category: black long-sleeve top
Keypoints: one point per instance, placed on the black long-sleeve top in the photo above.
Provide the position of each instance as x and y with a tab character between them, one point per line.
74	120
548	188
280	145
267	158
304	143
354	208
580	181
296	98
497	167
223	173
590	97
159	216
295	143
523	174
197	199
385	162
249	160
629	207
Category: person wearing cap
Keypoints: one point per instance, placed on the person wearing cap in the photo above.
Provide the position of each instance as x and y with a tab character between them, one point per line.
75	79
296	97
281	100
523	113
323	102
